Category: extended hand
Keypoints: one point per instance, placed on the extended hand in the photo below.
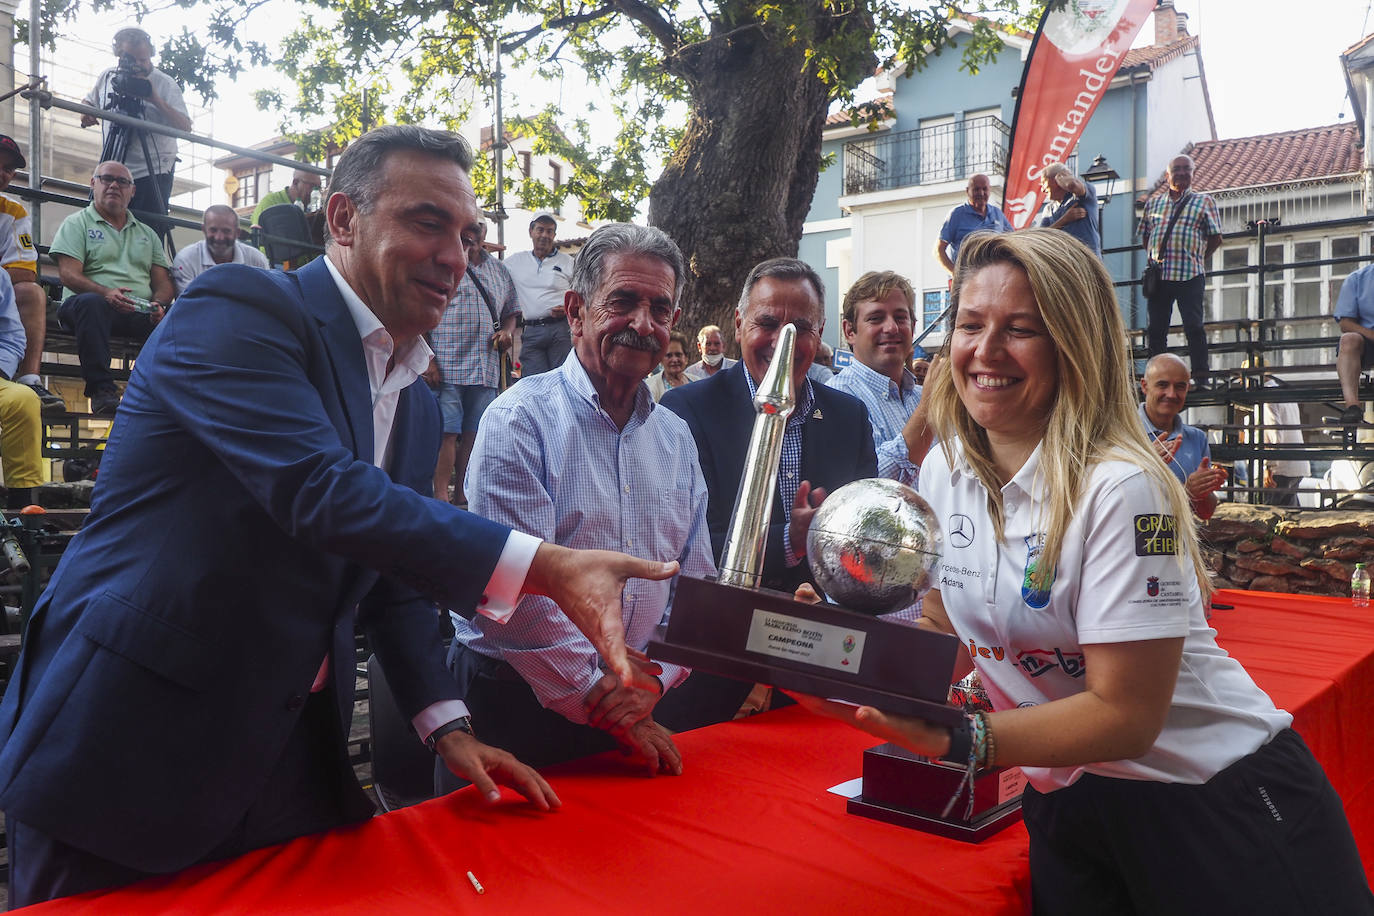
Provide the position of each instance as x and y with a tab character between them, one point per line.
803	509
587	586
485	766
1205	480
652	742
157	314
615	708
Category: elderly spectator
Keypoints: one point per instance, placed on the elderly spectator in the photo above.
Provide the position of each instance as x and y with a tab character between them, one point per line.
1180	229
476	329
221	245
20	260
1355	313
711	345
978	215
1182	447
1073	205
879	311
163	105
115	279
583	456
827	443
542	278
674	374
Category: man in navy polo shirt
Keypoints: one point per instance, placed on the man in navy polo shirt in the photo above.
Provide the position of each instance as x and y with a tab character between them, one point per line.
1184	448
978	215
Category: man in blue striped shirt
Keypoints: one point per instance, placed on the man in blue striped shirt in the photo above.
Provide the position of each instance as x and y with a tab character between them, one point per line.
582	455
879	312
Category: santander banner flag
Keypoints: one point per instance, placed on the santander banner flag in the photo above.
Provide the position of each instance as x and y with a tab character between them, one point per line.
1076	52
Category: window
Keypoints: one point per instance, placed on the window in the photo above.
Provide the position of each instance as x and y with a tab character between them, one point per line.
1234	288
1307	286
556	171
253	185
1344	247
524	164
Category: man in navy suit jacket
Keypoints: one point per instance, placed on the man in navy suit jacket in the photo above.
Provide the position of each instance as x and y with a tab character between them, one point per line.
828	443
186	683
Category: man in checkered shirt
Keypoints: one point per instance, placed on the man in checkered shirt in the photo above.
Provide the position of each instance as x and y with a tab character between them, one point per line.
466	369
582	455
1195	235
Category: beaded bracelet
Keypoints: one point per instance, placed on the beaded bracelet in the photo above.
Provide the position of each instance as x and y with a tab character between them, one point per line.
988	758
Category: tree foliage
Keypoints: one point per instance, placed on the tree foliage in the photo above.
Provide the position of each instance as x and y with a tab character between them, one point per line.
699	86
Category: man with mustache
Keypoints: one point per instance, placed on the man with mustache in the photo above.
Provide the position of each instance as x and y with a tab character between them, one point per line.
582	455
221	245
827	443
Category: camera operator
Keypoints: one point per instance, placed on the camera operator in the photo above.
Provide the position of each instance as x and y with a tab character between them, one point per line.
135	88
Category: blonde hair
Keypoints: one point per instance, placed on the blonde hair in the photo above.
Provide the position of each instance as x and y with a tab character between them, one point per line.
1093	417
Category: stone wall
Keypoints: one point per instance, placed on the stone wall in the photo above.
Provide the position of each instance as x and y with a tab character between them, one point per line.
1287	550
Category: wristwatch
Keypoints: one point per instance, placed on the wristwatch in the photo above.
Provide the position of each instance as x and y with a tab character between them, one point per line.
460	724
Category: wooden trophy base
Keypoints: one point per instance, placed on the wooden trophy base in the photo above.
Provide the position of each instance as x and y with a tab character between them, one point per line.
910	791
766	637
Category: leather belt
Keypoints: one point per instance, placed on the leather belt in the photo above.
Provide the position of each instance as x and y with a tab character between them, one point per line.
539	322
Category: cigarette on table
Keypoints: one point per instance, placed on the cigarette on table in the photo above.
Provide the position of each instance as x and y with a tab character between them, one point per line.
476	885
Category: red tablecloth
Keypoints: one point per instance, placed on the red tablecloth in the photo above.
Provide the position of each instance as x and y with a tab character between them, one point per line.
749	827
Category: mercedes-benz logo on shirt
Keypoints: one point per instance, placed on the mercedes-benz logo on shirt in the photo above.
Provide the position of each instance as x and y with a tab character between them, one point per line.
960	530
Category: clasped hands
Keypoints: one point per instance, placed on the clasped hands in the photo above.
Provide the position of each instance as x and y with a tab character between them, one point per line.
626	713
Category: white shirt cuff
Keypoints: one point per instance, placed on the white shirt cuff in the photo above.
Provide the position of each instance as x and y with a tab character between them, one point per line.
436	714
503	590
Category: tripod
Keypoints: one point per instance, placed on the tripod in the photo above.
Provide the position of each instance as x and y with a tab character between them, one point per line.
116	146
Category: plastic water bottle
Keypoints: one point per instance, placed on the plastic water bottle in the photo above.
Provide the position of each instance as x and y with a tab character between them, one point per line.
1359	586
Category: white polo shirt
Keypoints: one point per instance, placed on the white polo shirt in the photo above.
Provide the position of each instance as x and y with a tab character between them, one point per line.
540	284
1118	579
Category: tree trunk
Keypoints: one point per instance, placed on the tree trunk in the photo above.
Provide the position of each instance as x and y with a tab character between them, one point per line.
739	186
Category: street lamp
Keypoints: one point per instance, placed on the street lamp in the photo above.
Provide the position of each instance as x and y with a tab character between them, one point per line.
1103	177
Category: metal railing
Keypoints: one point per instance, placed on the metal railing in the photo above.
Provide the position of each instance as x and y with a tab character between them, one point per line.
928	155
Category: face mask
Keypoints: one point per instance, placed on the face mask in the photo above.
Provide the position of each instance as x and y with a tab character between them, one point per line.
712	359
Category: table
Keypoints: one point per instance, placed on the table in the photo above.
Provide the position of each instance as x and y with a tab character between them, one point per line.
749	827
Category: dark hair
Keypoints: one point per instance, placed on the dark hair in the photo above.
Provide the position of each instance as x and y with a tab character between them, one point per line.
782	269
625	238
677	337
358	175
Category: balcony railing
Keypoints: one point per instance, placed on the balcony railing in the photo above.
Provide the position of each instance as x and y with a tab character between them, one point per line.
947	152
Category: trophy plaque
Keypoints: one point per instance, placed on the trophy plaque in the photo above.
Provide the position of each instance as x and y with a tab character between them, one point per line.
873	545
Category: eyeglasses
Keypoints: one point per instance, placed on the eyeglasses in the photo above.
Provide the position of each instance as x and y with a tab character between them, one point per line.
115	179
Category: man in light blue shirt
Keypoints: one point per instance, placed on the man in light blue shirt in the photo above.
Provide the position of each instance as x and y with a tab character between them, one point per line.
583	456
978	215
1355	313
1182	447
879	312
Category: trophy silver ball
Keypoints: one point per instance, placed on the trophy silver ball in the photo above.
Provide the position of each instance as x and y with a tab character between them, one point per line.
874	546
